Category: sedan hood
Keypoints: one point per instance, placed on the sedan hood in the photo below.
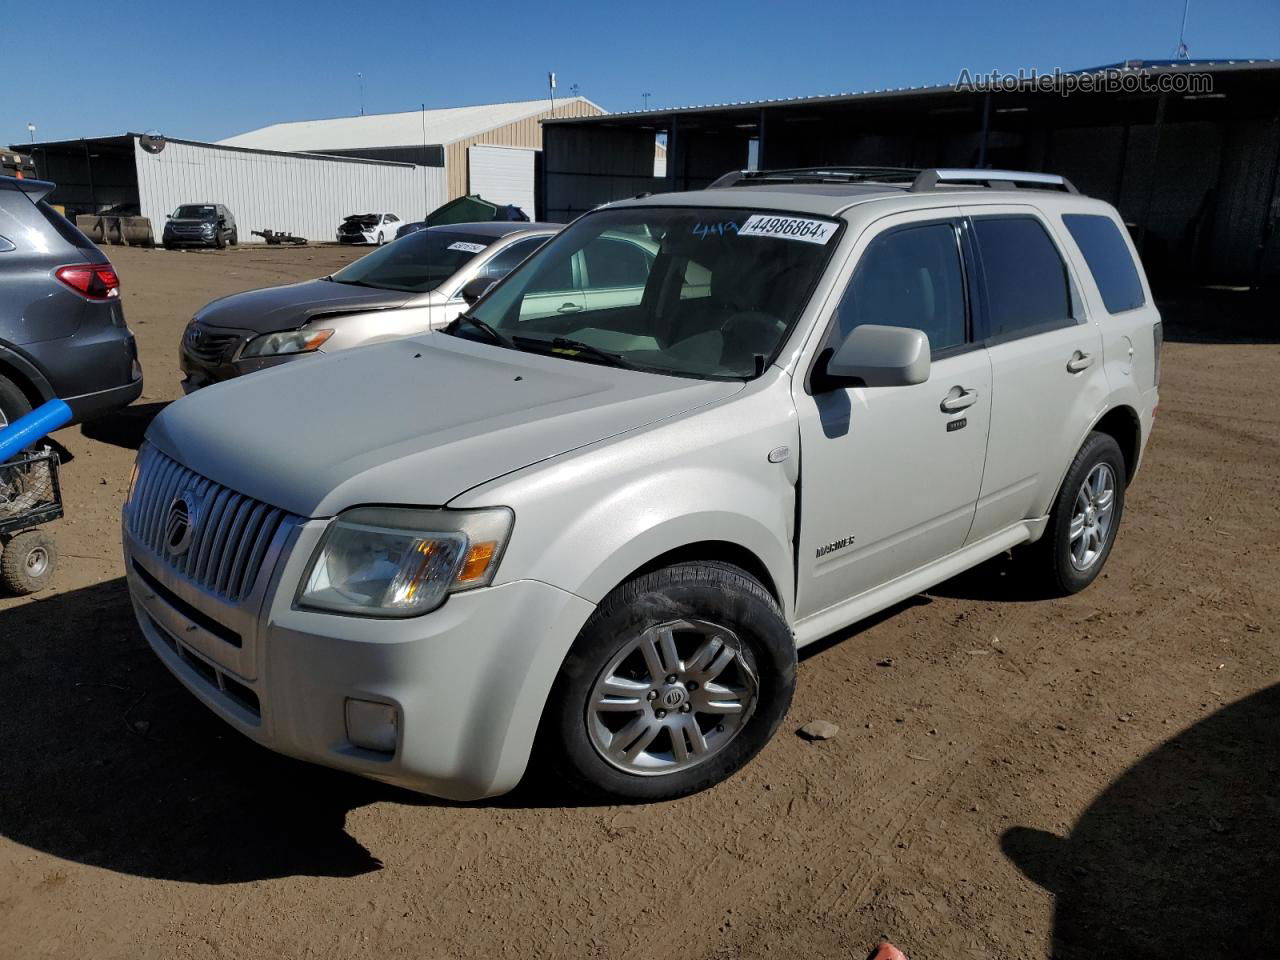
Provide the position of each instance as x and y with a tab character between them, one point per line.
292	306
409	421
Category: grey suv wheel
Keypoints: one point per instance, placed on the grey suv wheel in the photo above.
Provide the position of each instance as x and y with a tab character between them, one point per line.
13	402
1085	517
676	681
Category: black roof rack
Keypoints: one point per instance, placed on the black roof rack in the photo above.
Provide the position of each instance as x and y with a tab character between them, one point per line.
917	180
836	174
938	177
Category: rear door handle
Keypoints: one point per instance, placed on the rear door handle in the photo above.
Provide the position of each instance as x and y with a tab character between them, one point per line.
569	308
955	401
1079	361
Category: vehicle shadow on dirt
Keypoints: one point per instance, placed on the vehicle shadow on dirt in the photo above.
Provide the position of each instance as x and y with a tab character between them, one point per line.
1178	857
123	428
105	759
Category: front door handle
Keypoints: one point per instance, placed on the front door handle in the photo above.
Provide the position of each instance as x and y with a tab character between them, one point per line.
1079	361
569	308
958	399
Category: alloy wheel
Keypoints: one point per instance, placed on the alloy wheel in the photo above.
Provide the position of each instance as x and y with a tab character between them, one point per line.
673	697
1091	516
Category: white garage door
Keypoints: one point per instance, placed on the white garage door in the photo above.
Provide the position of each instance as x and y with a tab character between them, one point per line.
502	175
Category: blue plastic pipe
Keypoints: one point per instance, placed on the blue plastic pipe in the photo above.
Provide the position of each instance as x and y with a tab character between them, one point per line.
33	427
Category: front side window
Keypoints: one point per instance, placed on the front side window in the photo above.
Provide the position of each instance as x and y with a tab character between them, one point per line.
416	263
1109	260
1027	288
615	262
909	277
700	292
504	261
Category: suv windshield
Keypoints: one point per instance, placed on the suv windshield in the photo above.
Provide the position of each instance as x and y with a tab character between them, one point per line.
706	292
195	211
417	263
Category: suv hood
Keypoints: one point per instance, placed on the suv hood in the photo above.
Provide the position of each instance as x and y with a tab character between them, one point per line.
409	421
190	222
292	306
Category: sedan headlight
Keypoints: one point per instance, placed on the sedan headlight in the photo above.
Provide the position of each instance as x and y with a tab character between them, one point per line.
286	341
401	561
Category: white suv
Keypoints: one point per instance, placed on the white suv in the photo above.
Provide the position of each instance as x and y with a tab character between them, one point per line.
592	520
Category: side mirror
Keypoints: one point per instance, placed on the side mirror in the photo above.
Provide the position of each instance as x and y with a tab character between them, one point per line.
475	288
874	355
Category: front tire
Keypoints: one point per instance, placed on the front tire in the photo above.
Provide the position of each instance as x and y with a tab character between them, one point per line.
1085	517
676	681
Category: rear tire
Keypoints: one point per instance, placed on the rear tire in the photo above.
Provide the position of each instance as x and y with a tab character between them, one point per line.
13	402
1085	518
28	563
720	635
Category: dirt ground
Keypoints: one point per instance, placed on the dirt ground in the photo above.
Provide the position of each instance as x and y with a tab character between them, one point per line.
1014	777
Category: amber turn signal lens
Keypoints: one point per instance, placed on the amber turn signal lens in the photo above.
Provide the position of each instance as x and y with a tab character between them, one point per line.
477	562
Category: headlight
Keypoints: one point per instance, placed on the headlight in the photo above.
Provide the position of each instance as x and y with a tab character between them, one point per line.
403	562
286	341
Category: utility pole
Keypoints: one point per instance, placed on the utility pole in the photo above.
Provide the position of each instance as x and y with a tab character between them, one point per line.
575	90
1182	53
360	78
646	97
551	85
31	131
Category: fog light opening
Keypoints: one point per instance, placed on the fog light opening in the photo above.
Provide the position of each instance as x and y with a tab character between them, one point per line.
372	726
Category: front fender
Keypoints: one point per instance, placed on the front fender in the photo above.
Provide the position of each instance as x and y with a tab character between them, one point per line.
587	521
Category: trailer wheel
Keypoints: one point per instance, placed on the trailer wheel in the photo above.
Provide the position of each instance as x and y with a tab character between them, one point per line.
28	563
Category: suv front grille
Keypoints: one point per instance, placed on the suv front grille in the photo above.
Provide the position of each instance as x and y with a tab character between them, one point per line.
226	535
210	347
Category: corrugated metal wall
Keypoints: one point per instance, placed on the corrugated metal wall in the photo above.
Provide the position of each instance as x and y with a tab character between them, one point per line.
304	195
522	133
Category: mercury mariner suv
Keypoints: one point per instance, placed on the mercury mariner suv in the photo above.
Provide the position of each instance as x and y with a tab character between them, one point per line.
584	528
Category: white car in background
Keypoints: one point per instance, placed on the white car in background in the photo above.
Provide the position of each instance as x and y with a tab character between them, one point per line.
375	228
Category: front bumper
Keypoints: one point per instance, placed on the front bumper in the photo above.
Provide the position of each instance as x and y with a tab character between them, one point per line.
468	680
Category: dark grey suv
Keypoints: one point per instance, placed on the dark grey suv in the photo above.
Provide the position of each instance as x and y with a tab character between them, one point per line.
201	225
62	329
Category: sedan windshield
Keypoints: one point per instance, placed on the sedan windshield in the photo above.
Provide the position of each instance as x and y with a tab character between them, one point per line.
699	292
194	211
417	263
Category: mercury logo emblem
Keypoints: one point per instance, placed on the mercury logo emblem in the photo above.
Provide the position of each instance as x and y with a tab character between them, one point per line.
180	524
673	697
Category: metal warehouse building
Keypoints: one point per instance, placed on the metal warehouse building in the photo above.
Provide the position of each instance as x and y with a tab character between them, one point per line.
303	194
491	149
1192	167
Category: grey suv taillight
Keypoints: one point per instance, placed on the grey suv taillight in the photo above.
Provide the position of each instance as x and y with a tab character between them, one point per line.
93	281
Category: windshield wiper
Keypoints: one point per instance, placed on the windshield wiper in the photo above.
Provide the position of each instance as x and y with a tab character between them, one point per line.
499	338
565	345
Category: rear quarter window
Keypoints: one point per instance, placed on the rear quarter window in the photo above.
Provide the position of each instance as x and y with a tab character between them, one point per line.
65	228
1109	260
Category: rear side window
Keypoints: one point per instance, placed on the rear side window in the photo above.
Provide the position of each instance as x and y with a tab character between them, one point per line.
1027	291
909	278
1109	260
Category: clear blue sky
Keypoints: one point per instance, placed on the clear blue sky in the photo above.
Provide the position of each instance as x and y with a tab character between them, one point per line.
206	70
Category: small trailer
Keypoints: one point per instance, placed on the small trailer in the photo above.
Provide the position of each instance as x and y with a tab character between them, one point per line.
30	495
274	238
